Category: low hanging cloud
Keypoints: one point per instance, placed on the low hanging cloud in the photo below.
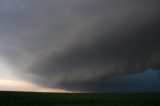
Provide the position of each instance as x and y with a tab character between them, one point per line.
71	44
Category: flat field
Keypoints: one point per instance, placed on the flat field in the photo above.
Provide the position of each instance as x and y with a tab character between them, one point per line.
78	99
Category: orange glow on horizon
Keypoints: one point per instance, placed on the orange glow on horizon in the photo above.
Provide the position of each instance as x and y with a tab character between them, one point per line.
8	82
16	85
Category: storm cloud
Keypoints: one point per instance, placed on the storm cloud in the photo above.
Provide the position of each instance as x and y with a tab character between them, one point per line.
79	44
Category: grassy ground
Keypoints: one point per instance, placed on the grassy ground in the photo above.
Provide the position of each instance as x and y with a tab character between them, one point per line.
64	99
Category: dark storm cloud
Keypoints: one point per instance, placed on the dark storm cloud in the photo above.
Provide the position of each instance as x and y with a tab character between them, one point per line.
147	81
79	44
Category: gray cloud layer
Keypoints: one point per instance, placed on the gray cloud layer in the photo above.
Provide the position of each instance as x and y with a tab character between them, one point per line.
61	43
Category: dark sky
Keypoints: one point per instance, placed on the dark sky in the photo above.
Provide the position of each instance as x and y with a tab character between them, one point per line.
84	45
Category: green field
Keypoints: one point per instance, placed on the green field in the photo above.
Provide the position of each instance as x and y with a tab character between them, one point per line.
75	99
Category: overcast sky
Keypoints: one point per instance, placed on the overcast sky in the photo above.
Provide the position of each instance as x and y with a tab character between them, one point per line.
81	45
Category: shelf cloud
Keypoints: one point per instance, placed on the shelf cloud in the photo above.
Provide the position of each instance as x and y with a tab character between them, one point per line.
79	44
